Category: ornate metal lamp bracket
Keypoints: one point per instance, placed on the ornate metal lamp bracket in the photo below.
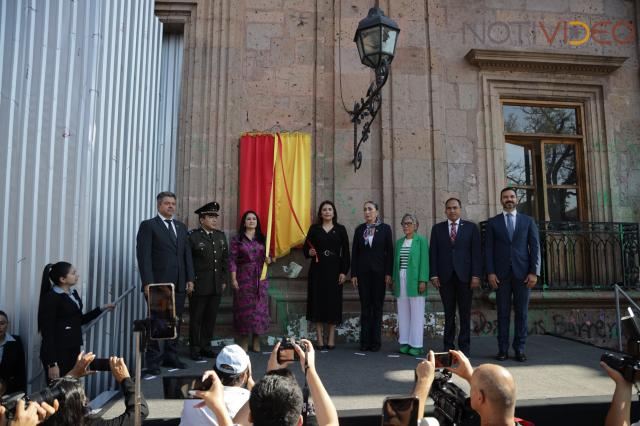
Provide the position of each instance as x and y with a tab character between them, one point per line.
366	111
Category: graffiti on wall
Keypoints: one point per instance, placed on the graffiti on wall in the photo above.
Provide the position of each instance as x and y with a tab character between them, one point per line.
595	326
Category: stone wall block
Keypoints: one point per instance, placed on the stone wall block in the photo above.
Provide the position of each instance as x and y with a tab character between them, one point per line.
456	122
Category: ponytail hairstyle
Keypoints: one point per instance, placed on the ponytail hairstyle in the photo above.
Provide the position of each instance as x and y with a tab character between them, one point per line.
51	275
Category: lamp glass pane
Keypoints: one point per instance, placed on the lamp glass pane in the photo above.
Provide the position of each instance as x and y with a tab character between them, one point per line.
360	48
389	41
373	60
371	40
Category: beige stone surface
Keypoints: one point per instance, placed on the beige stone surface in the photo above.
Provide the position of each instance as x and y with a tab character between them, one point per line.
250	65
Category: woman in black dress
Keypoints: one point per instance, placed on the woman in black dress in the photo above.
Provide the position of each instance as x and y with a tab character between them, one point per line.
60	319
327	245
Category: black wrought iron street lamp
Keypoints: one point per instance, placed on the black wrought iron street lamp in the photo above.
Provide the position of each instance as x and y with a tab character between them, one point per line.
376	39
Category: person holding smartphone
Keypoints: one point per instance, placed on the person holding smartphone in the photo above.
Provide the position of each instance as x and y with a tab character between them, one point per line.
75	404
60	318
327	244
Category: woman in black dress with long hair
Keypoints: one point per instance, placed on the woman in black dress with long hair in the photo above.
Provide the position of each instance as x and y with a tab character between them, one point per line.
327	245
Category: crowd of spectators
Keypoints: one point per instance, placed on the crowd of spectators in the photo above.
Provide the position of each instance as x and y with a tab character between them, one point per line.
232	397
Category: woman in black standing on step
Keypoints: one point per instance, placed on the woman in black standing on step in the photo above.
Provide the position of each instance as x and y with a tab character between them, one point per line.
60	319
371	269
327	245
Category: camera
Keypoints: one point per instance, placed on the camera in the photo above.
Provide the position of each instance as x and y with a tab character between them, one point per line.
627	364
47	395
287	351
452	407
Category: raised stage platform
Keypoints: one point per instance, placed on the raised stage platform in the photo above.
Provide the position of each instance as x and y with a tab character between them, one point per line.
561	380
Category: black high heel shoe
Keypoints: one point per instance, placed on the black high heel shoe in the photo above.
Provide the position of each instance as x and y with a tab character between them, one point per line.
330	347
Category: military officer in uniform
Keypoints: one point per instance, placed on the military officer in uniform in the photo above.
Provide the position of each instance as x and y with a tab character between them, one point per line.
210	253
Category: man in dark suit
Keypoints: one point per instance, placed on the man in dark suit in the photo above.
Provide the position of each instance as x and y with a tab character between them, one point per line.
210	253
456	266
512	255
164	257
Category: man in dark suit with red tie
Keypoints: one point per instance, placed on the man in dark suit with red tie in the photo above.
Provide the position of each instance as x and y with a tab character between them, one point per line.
512	256
455	264
164	256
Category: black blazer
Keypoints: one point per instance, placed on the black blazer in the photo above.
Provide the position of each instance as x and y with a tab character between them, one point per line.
61	324
378	258
464	256
12	370
160	258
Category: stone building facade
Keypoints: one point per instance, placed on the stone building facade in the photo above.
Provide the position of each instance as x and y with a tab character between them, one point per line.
459	66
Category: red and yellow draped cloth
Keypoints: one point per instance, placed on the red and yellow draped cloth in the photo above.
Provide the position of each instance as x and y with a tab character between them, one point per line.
275	181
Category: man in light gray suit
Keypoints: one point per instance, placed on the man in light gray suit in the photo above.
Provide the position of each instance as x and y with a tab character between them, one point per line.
164	256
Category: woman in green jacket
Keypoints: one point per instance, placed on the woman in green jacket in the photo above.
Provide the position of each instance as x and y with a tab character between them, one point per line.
410	277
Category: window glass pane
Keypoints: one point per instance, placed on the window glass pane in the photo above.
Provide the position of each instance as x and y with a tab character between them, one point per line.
518	167
560	164
526	202
533	119
563	204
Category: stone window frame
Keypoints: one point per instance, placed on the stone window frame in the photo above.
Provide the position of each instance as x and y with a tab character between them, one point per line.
595	153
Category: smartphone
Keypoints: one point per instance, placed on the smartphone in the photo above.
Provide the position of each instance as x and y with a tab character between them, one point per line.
200	385
162	312
100	364
203	385
400	411
287	353
443	359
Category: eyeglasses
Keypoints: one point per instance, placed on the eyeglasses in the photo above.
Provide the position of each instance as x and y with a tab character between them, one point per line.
407	223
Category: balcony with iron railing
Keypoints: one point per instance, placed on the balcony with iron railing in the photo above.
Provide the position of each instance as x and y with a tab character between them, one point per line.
588	255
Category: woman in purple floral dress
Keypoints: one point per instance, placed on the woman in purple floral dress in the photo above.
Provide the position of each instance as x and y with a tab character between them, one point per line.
250	297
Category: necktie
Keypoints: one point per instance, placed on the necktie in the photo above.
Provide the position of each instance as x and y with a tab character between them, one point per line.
453	234
510	228
171	230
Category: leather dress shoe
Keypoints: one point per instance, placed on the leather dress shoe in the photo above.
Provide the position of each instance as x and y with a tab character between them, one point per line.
502	356
174	363
521	357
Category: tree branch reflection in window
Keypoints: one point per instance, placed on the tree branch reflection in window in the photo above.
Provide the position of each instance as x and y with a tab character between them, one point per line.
534	119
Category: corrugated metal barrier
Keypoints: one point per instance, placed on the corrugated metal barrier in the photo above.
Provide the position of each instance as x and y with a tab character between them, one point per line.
78	158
